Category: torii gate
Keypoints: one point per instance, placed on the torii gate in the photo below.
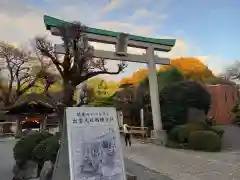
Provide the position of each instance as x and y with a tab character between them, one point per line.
122	41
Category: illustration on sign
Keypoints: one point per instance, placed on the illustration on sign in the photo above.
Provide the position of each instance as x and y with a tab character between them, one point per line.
94	144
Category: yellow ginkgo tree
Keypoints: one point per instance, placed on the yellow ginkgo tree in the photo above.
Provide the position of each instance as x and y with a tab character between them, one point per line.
191	67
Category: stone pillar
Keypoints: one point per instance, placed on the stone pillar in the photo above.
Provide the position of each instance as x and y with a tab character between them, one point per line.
142	117
159	135
120	118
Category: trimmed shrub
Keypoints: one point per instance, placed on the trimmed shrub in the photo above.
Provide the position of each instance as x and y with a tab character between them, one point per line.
173	134
46	150
236	113
58	135
176	145
185	131
217	130
204	140
24	147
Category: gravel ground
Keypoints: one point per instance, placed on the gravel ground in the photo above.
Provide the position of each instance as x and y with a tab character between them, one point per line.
142	172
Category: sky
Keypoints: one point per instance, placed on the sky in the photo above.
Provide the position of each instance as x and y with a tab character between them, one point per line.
203	29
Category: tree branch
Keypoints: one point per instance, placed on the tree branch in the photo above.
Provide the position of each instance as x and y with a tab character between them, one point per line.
10	83
46	49
89	75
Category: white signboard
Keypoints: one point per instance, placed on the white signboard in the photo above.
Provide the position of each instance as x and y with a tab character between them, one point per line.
95	151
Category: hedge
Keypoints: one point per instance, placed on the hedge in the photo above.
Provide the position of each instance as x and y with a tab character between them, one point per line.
24	147
46	150
173	133
185	131
204	140
217	130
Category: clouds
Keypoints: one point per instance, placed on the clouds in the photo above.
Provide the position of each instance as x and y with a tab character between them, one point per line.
112	4
22	20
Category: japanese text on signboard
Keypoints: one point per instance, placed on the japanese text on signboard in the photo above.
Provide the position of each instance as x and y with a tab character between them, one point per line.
92	117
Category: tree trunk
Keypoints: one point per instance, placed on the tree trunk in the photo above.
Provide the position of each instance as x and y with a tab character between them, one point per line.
19	127
68	90
68	101
43	124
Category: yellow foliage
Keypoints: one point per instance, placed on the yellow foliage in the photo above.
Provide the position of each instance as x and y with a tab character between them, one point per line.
39	88
102	88
136	78
191	67
126	81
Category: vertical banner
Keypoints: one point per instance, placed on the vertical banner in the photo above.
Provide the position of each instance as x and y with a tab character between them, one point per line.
95	151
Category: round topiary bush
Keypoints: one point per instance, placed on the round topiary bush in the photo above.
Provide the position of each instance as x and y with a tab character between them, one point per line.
217	130
46	150
173	133
204	140
24	147
185	131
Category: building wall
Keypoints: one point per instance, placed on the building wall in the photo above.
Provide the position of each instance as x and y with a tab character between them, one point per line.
223	98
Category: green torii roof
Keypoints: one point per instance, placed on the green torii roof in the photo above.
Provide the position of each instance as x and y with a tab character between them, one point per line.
54	22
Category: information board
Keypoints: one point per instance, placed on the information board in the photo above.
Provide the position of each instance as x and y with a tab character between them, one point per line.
95	151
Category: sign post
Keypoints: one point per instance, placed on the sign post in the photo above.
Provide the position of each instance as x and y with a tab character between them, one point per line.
94	145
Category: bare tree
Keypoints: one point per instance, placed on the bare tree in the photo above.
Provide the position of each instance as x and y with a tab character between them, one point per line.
20	76
78	63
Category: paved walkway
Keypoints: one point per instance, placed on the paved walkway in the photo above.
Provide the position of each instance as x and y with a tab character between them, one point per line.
150	162
6	158
231	138
186	165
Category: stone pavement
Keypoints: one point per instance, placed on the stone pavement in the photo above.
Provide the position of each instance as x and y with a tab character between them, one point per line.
185	164
231	138
150	162
142	172
6	158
